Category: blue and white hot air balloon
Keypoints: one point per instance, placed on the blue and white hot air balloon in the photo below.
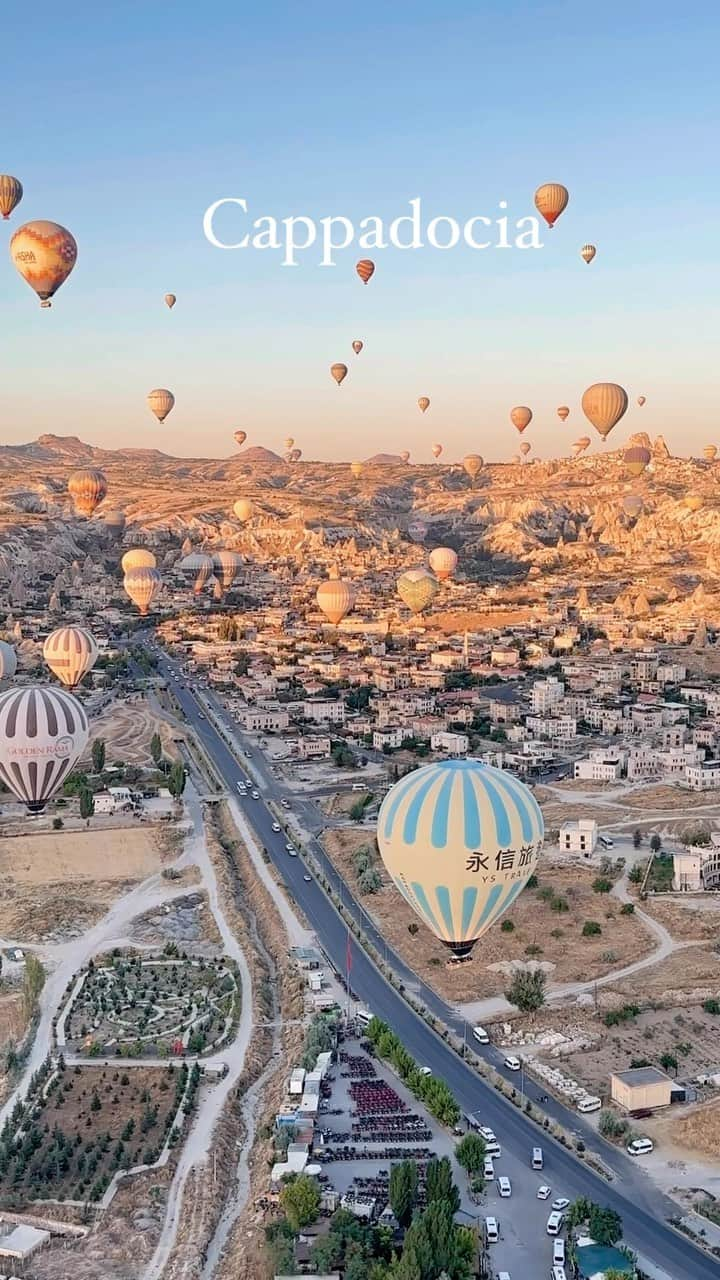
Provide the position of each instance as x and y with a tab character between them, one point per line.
460	840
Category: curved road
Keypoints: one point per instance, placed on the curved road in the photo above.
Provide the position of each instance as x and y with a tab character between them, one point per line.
642	1207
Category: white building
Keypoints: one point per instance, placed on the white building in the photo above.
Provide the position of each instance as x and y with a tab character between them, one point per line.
579	837
599	766
546	695
696	869
455	744
264	719
387	738
556	728
324	710
704	776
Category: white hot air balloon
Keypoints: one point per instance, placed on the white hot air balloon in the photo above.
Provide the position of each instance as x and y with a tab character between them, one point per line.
200	568
142	586
226	565
443	562
138	558
70	652
335	598
8	661
43	733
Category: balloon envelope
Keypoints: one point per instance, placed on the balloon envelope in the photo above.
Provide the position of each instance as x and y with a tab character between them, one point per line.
443	562
587	253
423	403
472	465
87	488
356	469
417	589
641	400
521	417
8	661
636	458
710	452
365	269
604	404
43	732
563	412
243	509
137	558
437	450
200	567
142	585
240	437
550	201
226	565
357	346
417	530
44	253
70	652
460	840
335	598
338	372
160	402
170	300
11	193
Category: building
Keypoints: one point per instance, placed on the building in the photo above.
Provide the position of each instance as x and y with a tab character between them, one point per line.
314	748
579	837
641	1089
696	869
704	776
21	1243
264	719
599	766
454	744
546	695
387	738
556	728
324	710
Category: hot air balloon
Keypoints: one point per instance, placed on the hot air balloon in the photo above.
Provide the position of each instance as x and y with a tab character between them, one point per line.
443	562
295	455
70	652
587	253
226	565
142	586
521	417
8	661
604	404
417	589
44	253
632	505
694	502
582	444
43	733
437	450
460	840
357	346
243	509
356	469
137	558
525	448
11	193
405	455
563	412
240	437
200	567
636	458
170	300
710	452
641	400
365	269
417	530
160	402
87	488
472	465
113	522
423	403
289	442
550	201
338	372
335	598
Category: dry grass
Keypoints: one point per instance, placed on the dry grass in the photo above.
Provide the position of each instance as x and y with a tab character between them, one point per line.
686	921
126	728
572	957
690	1035
693	969
696	1130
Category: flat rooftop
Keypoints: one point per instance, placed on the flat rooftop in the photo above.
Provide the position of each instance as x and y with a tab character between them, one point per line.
642	1075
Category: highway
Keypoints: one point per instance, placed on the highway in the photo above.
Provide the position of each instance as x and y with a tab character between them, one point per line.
642	1207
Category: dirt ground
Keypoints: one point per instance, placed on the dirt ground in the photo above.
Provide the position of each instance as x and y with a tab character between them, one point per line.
687	919
126	728
571	957
695	1129
672	982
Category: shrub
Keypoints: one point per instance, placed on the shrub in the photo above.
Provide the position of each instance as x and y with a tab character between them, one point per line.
711	1006
627	909
507	926
602	885
591	929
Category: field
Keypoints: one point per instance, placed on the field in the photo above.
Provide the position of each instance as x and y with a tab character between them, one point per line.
126	728
693	1130
62	882
541	931
152	1007
88	1123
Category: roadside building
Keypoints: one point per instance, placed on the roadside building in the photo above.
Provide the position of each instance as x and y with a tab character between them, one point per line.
641	1089
579	837
454	744
704	776
599	766
696	869
314	748
20	1243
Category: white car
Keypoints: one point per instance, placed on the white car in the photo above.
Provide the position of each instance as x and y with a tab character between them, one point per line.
492	1230
285	803
276	827
292	853
640	1147
307	878
256	795
561	1204
543	1192
487	1134
512	1064
504	1187
425	1071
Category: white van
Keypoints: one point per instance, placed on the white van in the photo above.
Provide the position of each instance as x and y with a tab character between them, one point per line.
640	1147
481	1035
492	1231
488	1169
559	1252
364	1017
359	786
554	1223
504	1187
589	1103
537	1158
557	1273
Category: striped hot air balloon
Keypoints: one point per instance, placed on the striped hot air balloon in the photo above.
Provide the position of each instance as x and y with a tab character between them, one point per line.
418	530
335	598
200	568
443	562
521	417
587	253
87	488
417	589
550	201
142	586
8	661
11	193
460	840
226	565
137	558
70	652
365	269
563	412
632	505
43	733
160	402
604	404
710	452
356	469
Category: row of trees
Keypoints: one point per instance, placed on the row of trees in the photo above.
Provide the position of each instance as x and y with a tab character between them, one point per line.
433	1093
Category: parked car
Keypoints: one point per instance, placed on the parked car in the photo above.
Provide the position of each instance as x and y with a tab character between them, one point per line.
504	1187
492	1230
640	1147
554	1223
560	1204
276	827
512	1064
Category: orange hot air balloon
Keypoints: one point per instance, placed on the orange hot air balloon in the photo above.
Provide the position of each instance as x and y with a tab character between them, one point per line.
240	437
87	488
11	193
563	412
170	300
357	346
521	417
641	401
710	452
604	404
550	201
44	253
443	562
365	269
160	402
338	372
437	450
472	465
243	509
423	403
587	253
581	445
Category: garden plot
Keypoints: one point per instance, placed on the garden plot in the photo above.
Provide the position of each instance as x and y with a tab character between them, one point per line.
129	1006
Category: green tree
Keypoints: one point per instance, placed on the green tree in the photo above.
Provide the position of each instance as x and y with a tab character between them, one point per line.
669	1062
98	755
591	929
156	748
300	1199
402	1192
470	1153
176	779
605	1225
439	1183
655	843
527	990
87	803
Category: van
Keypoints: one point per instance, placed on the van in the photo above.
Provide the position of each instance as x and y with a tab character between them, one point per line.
492	1231
481	1035
505	1187
640	1147
359	786
554	1223
537	1158
606	842
588	1103
488	1169
557	1273
364	1017
559	1252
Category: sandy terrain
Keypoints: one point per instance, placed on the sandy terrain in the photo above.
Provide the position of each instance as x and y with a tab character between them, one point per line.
687	919
695	1130
570	957
126	728
691	969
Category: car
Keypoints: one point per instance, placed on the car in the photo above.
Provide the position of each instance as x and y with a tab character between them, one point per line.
200	716
544	1192
554	1223
425	1071
292	853
487	1134
504	1187
276	827
481	1035
559	1252
492	1148
503	1275
256	795
512	1064
285	803
488	1169
492	1230
307	878
560	1204
640	1147
289	846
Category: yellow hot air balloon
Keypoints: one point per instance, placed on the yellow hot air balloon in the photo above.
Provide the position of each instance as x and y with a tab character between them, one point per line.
240	437
587	253
694	502
70	652
550	201
335	598
43	733
338	372
44	253
137	558
460	840
357	346
243	509
356	469
437	450
142	586
227	565
417	589
289	442
443	562
87	488
11	193
641	400
525	448
521	417
472	465
563	412
423	403
200	567
604	404
636	458
170	300
710	452
365	269
160	402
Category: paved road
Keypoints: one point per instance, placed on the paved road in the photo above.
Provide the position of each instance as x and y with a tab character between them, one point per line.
632	1194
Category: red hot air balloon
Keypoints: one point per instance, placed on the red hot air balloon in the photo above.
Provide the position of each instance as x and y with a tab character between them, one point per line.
365	269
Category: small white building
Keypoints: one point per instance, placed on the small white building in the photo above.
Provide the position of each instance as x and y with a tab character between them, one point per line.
599	766
22	1242
387	738
704	776
455	744
579	837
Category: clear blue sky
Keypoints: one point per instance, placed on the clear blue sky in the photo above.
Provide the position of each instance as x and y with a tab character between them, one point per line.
128	123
